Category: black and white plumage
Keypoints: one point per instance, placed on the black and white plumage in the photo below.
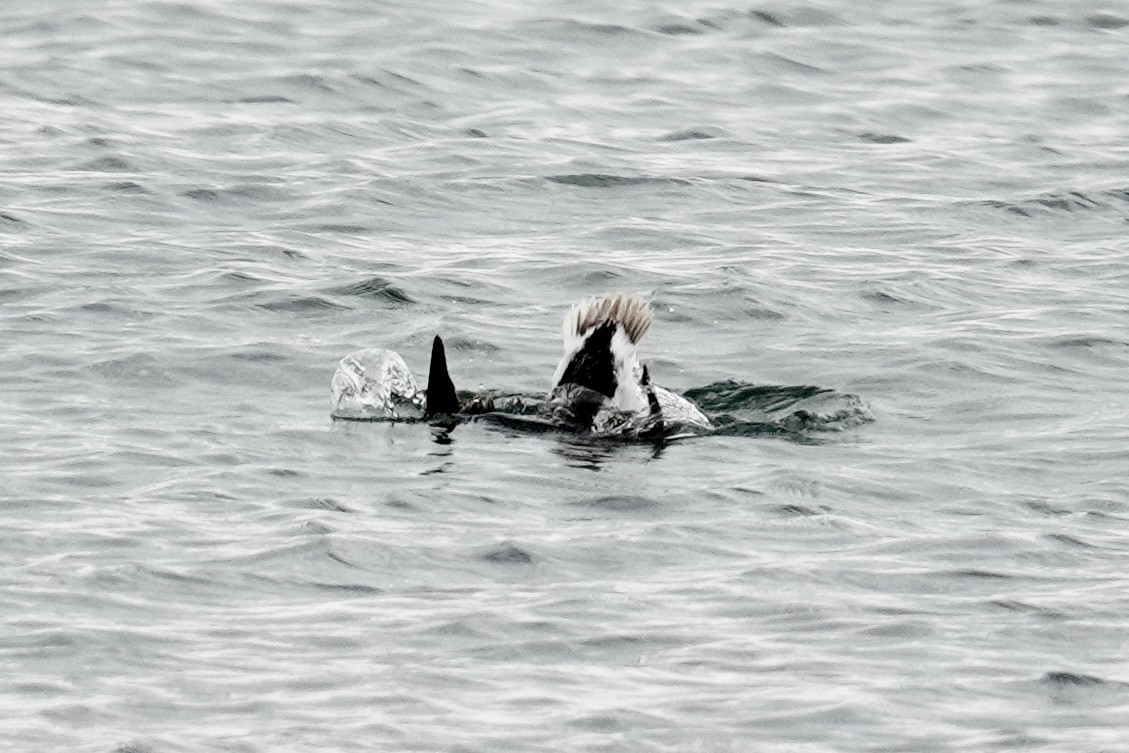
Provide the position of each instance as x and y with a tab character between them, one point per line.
600	384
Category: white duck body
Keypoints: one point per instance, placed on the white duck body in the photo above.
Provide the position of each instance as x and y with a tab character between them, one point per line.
600	378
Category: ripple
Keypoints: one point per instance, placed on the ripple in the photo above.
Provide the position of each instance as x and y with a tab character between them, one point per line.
508	553
922	208
882	138
1072	679
603	180
108	164
374	287
618	503
1067	202
1107	21
300	303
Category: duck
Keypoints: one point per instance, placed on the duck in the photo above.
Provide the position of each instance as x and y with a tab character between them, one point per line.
600	386
600	383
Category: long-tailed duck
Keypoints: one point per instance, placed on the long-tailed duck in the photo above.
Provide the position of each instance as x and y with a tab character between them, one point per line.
600	385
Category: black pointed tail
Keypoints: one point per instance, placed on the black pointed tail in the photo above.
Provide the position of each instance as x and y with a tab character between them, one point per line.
441	397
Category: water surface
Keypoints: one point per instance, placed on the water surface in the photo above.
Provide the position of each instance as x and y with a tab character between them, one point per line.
206	205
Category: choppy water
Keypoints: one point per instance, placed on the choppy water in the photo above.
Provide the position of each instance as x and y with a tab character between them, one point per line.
206	204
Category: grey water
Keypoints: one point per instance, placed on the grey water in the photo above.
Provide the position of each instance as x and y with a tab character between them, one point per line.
915	211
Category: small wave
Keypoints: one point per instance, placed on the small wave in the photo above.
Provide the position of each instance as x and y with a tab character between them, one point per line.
374	287
508	553
305	303
883	138
1065	201
1072	679
743	409
618	503
265	99
126	186
1071	688
108	164
766	18
681	28
693	134
1107	21
604	180
253	192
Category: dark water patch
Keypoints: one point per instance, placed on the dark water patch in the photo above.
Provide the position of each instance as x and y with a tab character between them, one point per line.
790	64
1068	202
1085	690
301	304
239	277
797	511
1065	201
202	194
618	503
1044	507
1071	541
265	99
507	553
882	138
7	218
974	574
694	134
143	368
603	180
1107	21
903	629
1015	605
261	353
460	343
764	314
1044	21
1072	680
334	227
125	186
322	503
260	192
797	412
1006	207
678	28
286	473
572	27
107	164
340	559
252	192
1071	342
377	288
730	395
878	296
309	82
766	18
135	747
354	589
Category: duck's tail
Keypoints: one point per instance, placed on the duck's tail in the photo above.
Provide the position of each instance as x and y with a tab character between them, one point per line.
441	397
600	337
630	311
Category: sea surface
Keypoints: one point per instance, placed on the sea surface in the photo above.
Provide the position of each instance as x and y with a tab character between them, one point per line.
896	233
